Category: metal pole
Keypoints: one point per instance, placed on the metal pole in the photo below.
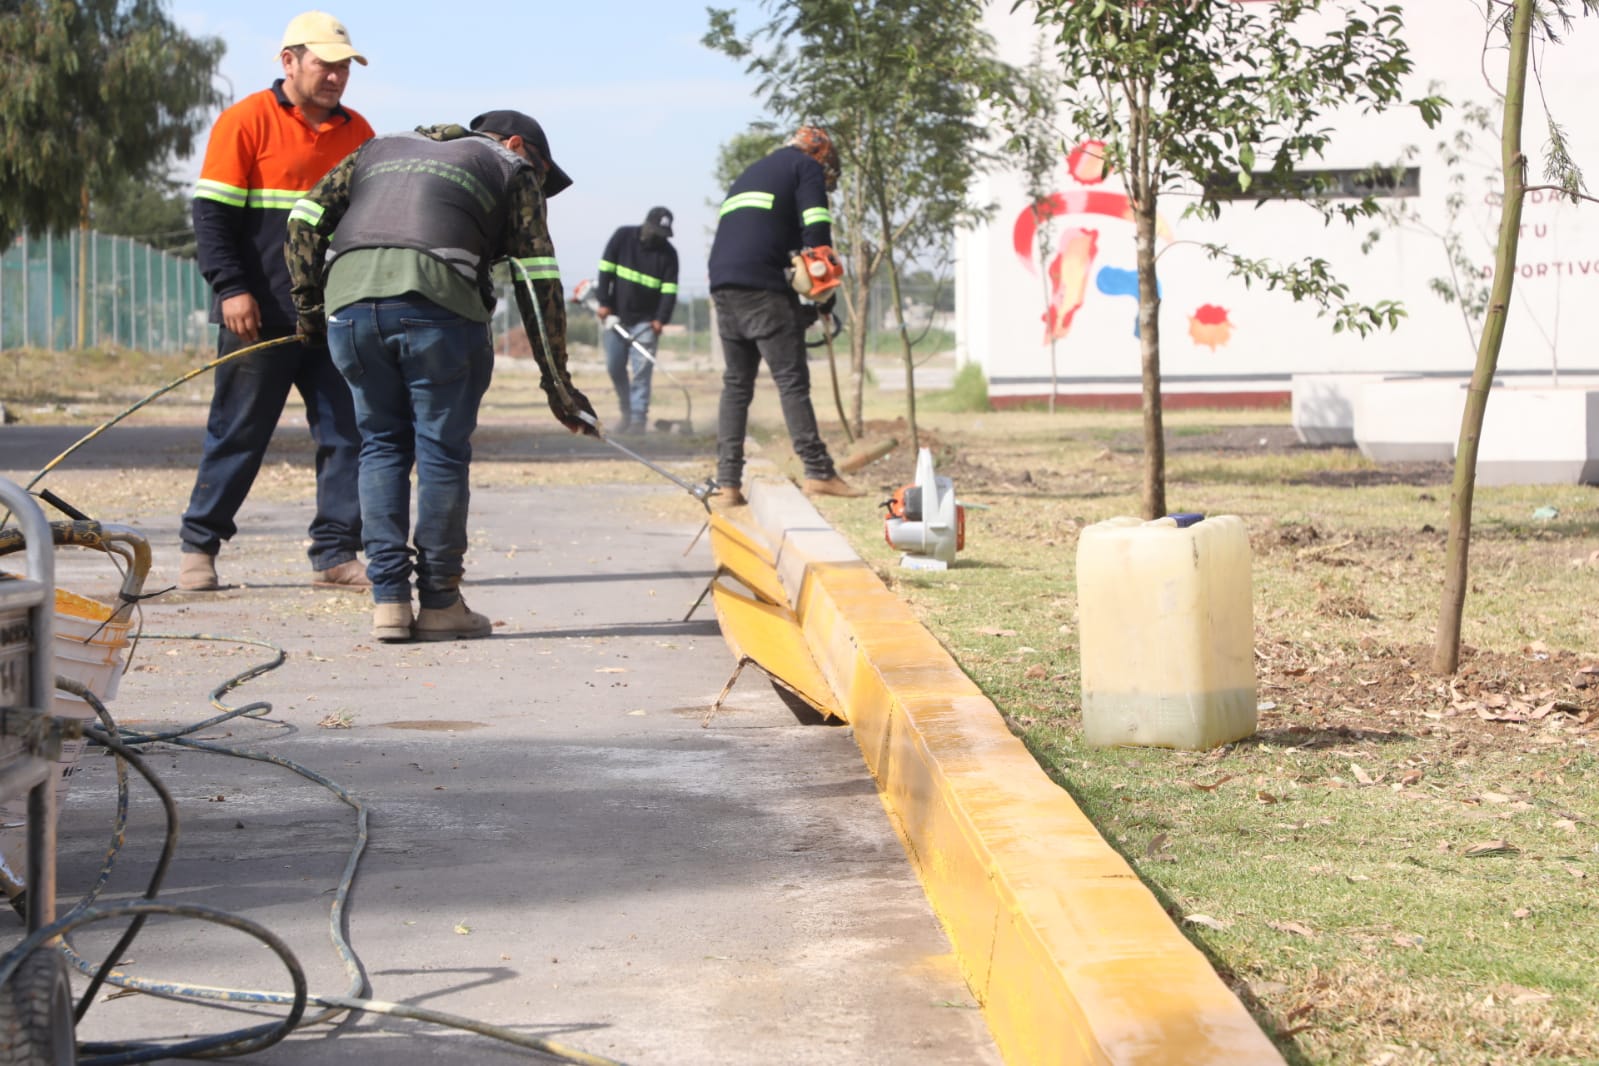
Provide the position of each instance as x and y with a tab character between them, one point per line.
50	292
27	305
94	272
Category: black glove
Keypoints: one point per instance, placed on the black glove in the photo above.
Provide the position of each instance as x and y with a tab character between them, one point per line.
826	306
568	416
808	314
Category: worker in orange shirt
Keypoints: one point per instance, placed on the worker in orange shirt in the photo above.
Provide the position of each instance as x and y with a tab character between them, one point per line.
265	152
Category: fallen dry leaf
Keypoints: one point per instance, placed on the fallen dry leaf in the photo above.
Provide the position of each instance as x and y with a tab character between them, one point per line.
1037	672
1293	927
1489	847
1205	920
462	929
1361	775
1412	777
1265	797
1214	785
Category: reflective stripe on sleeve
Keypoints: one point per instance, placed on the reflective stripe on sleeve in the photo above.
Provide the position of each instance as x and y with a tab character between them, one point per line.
540	268
232	195
307	211
607	267
813	215
669	288
760	200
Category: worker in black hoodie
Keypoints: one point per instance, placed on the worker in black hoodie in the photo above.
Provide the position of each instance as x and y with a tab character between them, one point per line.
774	209
638	287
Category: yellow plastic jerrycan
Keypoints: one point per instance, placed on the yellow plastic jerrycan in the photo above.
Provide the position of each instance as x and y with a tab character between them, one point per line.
1167	632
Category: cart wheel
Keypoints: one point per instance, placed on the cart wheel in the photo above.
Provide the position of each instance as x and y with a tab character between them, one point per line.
36	1013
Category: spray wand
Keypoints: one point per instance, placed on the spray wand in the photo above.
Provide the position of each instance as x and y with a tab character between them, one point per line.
701	492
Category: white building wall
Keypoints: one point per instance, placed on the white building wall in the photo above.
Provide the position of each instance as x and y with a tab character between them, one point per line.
1267	337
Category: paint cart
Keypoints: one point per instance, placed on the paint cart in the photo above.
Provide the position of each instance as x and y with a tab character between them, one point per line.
36	998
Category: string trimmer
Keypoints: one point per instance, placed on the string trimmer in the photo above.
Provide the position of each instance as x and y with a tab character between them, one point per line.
586	295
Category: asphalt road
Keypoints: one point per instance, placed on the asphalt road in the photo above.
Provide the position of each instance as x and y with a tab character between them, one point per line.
562	841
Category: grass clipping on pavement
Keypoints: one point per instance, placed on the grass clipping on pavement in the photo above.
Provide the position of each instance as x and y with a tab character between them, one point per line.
1398	868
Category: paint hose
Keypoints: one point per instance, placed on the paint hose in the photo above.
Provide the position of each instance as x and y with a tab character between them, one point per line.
123	744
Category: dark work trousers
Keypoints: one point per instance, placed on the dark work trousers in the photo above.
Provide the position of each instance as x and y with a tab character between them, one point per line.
757	324
245	407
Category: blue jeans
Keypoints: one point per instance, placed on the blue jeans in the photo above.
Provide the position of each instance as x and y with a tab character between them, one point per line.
634	396
418	374
246	403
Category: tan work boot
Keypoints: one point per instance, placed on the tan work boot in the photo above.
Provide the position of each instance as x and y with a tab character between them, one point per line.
349	576
729	496
455	622
833	486
391	622
198	573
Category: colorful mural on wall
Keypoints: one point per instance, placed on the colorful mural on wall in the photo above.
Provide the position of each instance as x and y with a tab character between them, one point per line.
1070	270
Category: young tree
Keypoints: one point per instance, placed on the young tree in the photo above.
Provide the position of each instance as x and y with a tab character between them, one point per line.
1193	98
898	84
1519	21
1039	146
96	93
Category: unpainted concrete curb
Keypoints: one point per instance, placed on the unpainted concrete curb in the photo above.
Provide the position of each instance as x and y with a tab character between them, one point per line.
1071	956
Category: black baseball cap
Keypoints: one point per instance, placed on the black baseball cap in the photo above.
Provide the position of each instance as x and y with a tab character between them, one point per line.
661	219
516	124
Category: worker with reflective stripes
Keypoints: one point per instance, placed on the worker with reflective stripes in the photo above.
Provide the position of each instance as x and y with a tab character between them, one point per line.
638	285
414	222
264	153
775	208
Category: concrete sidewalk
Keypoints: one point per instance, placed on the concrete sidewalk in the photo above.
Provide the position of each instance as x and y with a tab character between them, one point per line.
559	843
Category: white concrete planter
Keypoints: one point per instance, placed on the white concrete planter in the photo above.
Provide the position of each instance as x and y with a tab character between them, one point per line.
1540	436
1409	420
1324	406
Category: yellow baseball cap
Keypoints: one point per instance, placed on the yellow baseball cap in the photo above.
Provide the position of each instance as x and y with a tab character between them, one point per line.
324	35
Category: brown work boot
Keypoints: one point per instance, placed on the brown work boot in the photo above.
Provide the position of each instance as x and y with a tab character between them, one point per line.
350	576
391	622
833	486
729	496
197	572
455	622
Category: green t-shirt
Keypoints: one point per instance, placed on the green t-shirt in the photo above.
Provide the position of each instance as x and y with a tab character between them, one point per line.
373	273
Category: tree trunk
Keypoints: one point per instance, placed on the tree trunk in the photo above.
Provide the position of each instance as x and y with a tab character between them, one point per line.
905	347
860	320
1144	207
1446	650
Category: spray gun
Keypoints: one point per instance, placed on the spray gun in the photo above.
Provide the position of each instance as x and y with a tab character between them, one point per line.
701	492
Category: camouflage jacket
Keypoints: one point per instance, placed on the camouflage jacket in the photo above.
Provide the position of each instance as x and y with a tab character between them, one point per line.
525	244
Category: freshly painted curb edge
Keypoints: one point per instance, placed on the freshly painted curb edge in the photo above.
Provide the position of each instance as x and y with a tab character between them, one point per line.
1071	956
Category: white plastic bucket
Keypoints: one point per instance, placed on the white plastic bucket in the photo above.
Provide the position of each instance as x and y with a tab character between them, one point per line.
89	643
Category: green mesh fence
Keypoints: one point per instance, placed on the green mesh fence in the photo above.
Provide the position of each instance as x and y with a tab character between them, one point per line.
133	296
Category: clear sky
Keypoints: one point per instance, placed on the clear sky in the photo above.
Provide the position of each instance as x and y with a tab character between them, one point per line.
634	106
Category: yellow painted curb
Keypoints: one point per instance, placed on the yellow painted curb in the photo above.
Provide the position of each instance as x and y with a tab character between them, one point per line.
1071	956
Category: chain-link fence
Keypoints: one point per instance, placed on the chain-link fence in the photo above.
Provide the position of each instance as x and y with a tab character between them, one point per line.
132	296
